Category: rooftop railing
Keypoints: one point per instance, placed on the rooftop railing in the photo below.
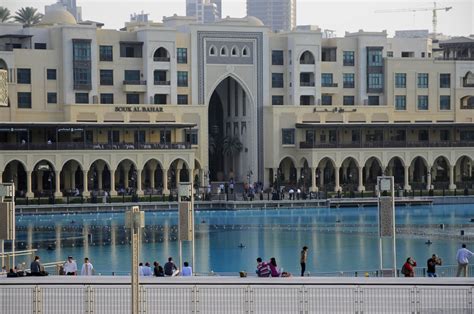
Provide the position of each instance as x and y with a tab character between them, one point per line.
92	146
388	144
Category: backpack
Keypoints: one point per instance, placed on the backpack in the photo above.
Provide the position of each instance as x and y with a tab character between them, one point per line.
404	270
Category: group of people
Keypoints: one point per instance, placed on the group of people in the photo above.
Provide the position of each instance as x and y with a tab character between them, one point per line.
169	270
271	269
462	257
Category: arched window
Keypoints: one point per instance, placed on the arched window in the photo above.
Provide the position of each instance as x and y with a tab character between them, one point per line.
307	58
161	54
235	51
212	51
245	51
224	51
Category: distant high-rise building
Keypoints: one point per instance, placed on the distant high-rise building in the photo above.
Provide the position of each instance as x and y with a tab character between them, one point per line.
205	11
277	14
69	5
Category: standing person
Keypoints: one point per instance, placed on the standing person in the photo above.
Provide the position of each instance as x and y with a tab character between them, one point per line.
408	268
158	270
303	259
170	267
87	268
187	270
70	267
36	268
431	264
463	255
263	270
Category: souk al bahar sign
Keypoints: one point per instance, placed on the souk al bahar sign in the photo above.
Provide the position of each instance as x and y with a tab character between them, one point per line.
138	109
3	89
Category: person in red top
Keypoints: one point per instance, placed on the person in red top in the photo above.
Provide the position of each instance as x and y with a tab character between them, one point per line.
408	268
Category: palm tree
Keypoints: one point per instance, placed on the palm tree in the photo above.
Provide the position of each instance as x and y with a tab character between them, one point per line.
4	15
28	16
231	146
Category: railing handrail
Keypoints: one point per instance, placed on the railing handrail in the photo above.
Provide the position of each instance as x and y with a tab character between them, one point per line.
93	146
382	144
134	82
157	82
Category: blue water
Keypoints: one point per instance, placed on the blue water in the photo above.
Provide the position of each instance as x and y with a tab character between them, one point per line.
338	239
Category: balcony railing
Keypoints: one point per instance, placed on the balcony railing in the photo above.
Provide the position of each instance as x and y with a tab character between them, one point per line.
134	82
162	82
305	84
387	144
161	59
92	146
328	84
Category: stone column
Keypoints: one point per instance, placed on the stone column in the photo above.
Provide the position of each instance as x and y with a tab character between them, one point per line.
191	175
73	179
360	178
298	175
29	192
406	177
151	175
39	180
165	181
139	182
85	180
57	177
337	186
113	192
452	186
321	177
177	174
99	179
126	171
314	187
1	177
428	178
202	183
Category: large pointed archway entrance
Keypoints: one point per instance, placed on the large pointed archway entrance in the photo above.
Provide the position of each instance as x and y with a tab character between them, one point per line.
232	134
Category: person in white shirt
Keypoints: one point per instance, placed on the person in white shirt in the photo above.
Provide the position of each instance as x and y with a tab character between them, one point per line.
70	267
146	270
463	257
187	270
87	268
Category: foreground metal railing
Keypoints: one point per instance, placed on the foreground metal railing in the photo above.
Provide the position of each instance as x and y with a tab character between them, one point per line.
238	295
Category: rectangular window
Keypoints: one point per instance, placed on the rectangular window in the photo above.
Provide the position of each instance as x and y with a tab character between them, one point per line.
81	50
374	101
191	136
133	99
132	76
82	98
408	54
52	98
400	102
277	57
422	80
348	101
107	99
310	136
445	80
348	58
423	135
374	56
182	78
160	99
288	136
23	76
182	99
328	54
244	103
389	54
306	100
182	55
24	100
40	46
326	100
82	78
106	77
375	81
51	74
355	136
139	136
422	103
445	102
165	136
326	80
348	80
113	136
131	49
82	64
277	80
106	53
444	135
277	100
400	80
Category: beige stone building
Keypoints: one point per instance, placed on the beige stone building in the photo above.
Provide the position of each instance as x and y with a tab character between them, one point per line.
91	109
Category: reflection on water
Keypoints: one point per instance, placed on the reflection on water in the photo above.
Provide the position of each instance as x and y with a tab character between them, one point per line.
338	239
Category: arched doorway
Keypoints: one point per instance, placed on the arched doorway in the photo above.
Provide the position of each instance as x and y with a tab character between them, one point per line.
418	173
72	178
232	148
396	169
373	169
440	173
15	172
349	174
44	179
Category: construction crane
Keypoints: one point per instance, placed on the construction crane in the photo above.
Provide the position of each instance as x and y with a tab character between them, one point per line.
434	10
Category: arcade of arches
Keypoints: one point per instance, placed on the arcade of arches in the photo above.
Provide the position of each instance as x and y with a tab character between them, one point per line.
72	178
355	175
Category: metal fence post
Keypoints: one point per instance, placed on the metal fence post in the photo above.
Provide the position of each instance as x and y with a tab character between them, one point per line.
37	300
89	299
142	299
416	300
251	305
357	300
194	300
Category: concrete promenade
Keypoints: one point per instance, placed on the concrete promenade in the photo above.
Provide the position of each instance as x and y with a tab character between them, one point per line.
102	294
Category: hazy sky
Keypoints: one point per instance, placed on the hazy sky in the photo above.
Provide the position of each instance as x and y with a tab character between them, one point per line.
338	15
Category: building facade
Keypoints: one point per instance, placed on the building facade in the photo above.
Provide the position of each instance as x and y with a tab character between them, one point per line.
147	107
279	15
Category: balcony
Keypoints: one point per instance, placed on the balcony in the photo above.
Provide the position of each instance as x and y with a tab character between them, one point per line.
134	86
307	84
163	83
94	146
387	144
329	84
161	59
